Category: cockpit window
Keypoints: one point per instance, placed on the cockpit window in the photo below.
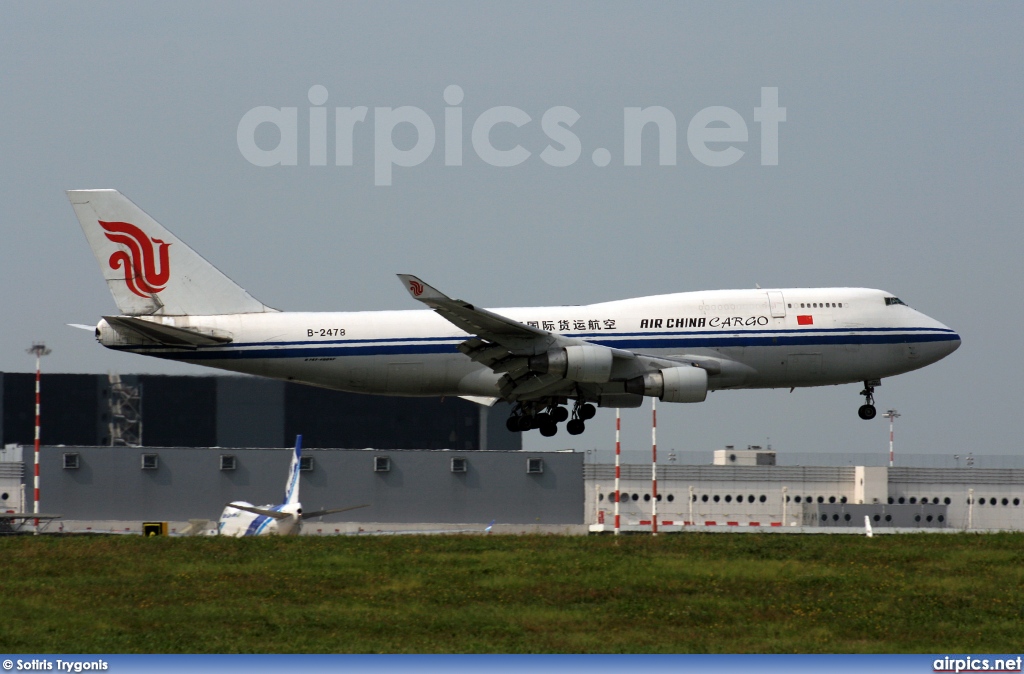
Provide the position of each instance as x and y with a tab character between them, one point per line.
894	300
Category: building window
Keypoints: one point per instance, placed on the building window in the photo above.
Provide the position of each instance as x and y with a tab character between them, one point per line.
70	460
459	465
227	462
306	463
535	466
150	461
381	464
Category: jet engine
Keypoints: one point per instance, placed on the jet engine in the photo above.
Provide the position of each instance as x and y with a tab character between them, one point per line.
672	385
586	363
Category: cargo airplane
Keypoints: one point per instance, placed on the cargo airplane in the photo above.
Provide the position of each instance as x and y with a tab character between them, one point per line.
553	364
285	519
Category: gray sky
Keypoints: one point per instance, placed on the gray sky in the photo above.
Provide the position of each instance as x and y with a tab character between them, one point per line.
900	166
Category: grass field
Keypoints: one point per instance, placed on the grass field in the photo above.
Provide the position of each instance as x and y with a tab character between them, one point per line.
514	594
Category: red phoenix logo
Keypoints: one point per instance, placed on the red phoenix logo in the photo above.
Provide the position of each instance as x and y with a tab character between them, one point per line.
140	260
416	287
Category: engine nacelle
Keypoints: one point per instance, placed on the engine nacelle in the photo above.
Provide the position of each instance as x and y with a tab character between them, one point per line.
585	363
672	385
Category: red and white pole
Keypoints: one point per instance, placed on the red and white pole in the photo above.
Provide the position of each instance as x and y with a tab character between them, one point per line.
39	350
891	415
618	474
891	455
654	466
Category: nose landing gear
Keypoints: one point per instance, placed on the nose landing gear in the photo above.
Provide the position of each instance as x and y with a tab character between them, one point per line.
867	410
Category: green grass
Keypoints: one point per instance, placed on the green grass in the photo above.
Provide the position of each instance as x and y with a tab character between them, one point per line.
514	594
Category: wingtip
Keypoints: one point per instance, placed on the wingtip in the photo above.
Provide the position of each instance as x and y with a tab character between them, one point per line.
418	288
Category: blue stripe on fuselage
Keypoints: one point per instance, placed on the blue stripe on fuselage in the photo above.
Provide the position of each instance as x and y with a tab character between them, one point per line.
627	341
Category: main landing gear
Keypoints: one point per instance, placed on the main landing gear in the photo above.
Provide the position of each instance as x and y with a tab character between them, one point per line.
546	416
867	410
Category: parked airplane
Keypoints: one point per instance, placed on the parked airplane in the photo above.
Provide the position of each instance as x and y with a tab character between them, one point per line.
677	347
241	518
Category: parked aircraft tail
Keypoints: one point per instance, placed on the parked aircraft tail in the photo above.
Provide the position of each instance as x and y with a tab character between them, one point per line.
148	269
291	489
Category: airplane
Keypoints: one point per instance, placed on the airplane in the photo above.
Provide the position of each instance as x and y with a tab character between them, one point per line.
241	518
676	347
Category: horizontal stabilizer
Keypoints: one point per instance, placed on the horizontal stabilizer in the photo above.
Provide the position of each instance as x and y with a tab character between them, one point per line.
168	334
260	511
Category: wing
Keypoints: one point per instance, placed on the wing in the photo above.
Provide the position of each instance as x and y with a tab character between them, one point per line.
498	342
260	511
319	513
536	363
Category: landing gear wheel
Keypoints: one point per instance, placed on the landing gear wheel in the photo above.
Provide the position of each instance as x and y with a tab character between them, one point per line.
575	427
512	424
525	423
559	414
548	429
867	410
542	420
587	411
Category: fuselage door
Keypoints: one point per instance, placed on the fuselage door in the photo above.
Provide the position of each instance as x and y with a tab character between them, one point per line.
778	303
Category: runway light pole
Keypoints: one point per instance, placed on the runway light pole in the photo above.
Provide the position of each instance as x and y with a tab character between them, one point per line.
891	415
39	350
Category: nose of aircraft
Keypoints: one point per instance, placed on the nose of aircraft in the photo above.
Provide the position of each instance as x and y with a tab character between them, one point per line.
946	340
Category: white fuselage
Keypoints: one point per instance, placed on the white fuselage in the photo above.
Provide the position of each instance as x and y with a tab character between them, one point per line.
765	338
238	523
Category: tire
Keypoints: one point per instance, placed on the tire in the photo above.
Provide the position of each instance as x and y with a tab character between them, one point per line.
559	414
548	429
512	424
867	412
587	411
575	427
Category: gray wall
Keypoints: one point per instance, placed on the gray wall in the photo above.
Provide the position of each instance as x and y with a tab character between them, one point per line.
110	485
250	412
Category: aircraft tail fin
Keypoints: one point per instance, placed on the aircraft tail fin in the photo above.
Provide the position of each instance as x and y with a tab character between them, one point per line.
291	490
148	269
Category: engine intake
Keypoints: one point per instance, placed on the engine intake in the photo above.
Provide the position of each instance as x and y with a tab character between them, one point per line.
587	363
672	385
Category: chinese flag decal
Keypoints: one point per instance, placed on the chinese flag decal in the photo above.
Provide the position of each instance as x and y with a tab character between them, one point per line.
805	320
